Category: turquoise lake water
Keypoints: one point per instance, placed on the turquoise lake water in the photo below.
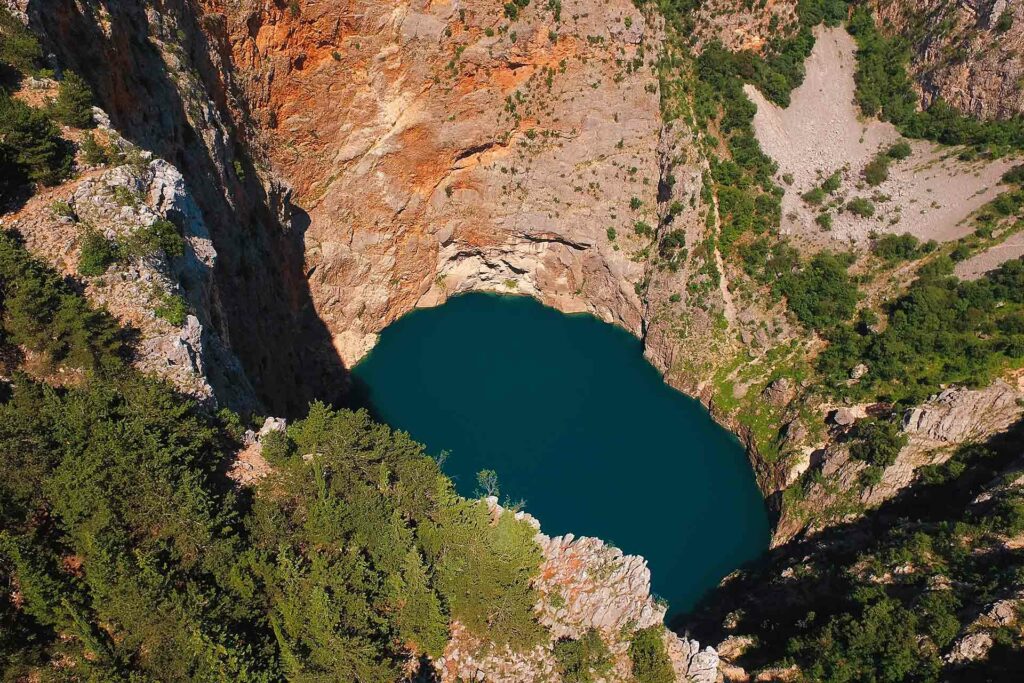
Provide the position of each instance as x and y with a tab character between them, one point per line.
577	424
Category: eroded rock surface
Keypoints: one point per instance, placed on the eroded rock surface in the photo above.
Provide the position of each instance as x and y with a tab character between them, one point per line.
441	147
118	203
966	53
584	584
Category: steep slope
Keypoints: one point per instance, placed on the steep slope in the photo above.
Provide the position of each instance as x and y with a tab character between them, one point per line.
157	71
439	148
968	54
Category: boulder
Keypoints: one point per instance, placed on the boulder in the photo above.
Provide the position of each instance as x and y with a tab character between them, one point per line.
779	392
272	424
843	417
970	648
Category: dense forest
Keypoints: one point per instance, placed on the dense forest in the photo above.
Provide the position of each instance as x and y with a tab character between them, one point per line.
123	548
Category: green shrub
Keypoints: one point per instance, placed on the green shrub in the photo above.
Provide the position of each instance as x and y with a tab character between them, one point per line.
832	183
160	236
821	293
643	229
897	247
63	209
650	660
814	196
824	219
1015	176
939	332
173	308
877	170
1005	21
125	196
899	151
611	232
276	447
93	153
583	660
859	206
73	106
97	254
1007	515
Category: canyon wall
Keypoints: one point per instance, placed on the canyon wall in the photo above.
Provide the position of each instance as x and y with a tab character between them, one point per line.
967	53
157	70
443	147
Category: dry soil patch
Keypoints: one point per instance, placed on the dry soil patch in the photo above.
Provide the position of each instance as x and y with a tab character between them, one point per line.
929	195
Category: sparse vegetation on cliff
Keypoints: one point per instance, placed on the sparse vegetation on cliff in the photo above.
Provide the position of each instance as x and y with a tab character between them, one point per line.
884	89
888	595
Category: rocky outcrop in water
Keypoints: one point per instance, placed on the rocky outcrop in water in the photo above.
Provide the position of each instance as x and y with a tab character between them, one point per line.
584	584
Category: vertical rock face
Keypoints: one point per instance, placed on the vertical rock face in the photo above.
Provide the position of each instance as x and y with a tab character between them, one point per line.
162	73
442	147
967	53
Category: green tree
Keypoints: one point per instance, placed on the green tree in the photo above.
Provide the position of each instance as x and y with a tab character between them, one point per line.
35	152
650	660
583	660
73	106
18	47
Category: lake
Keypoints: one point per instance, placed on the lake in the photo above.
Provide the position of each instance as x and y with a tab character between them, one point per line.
579	426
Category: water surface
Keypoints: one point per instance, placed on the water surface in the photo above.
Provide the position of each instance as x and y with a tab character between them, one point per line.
577	424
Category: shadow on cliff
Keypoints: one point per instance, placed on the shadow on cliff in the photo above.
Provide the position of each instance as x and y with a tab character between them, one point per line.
260	303
807	579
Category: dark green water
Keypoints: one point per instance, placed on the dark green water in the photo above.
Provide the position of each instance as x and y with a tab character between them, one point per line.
578	425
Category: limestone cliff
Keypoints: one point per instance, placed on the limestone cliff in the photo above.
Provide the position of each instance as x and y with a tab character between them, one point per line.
967	53
159	71
121	203
443	147
933	430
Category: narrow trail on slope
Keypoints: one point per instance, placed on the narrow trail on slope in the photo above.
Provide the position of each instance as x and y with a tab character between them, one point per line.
728	305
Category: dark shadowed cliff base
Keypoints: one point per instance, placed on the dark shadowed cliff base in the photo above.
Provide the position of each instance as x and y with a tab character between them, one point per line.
182	108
